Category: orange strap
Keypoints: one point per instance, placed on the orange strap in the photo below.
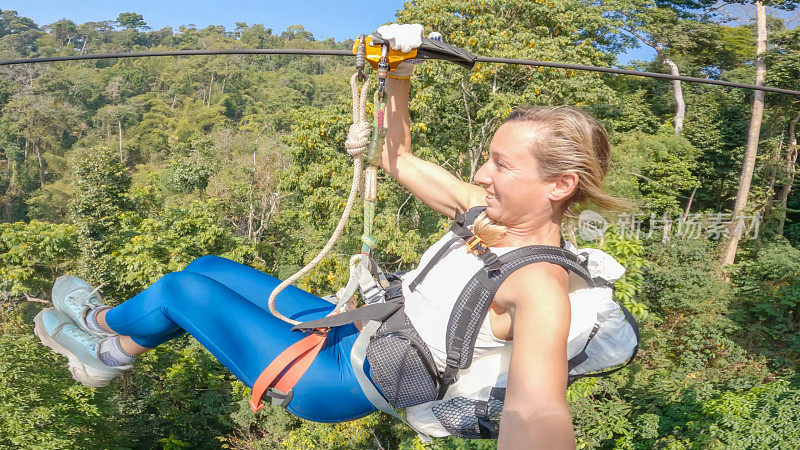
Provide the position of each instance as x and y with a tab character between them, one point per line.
295	360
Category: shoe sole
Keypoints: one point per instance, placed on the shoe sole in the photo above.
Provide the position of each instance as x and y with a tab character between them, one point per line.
87	376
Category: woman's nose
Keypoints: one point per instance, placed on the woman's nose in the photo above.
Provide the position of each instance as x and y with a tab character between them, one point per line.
480	176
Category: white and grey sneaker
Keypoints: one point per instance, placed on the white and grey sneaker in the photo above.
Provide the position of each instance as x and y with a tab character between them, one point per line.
75	298
57	331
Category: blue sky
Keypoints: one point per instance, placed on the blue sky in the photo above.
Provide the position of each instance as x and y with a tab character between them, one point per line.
337	19
340	20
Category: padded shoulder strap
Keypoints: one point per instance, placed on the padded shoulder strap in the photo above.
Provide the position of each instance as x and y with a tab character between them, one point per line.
473	303
472	214
555	255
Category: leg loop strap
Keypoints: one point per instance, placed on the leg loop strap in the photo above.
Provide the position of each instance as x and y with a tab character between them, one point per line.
292	363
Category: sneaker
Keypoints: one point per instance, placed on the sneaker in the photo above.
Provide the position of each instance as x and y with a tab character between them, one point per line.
81	348
75	297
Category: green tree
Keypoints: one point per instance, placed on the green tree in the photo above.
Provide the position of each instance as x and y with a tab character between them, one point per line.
728	252
32	254
41	121
63	30
17	34
663	167
131	21
297	32
676	34
12	23
98	208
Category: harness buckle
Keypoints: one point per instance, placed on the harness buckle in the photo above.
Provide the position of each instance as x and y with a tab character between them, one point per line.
278	397
394	291
493	262
453	359
373	294
476	246
583	259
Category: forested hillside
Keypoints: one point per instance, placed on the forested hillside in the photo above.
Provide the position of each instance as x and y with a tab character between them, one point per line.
121	171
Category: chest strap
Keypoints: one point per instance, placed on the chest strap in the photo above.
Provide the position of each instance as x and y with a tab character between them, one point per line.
474	244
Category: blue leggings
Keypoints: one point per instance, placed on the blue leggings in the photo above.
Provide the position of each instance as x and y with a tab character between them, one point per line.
223	304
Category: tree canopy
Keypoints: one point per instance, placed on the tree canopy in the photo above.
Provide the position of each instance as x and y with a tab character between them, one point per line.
121	171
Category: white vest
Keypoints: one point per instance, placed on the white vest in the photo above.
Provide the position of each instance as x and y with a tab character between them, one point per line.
429	307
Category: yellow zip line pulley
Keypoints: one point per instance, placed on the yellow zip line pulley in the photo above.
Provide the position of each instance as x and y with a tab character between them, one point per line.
373	54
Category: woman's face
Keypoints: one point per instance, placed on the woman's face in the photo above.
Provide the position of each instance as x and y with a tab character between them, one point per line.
515	193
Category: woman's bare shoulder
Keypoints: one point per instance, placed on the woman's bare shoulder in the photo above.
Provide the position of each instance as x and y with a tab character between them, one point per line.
533	284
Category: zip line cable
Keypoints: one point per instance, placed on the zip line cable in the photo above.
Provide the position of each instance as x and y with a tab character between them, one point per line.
225	51
636	73
324	52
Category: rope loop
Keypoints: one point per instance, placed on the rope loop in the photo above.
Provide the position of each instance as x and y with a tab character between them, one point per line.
358	135
357	140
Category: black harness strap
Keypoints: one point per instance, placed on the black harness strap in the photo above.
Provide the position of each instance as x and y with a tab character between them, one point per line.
578	359
374	311
459	228
484	424
483	413
473	303
436	258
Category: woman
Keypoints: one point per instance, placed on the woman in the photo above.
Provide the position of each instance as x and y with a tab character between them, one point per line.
542	161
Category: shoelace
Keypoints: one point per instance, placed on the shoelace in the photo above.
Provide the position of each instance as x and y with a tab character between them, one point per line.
91	293
81	336
96	291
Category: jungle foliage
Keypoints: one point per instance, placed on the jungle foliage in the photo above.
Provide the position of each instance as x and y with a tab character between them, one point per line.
121	171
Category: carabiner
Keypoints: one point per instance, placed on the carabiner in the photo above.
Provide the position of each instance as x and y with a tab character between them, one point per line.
361	52
383	72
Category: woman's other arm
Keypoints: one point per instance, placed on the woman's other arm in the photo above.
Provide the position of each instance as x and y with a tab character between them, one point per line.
435	186
535	414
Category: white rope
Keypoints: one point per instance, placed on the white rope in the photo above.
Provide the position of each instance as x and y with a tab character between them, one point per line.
357	141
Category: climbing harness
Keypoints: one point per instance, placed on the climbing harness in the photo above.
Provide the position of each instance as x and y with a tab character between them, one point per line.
381	297
404	368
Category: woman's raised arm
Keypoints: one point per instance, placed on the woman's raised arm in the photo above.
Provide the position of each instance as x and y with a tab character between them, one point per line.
535	414
433	185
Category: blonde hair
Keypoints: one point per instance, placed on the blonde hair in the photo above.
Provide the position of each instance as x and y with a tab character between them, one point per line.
571	140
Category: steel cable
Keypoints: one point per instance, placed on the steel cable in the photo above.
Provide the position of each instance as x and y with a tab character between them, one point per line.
227	51
326	52
636	73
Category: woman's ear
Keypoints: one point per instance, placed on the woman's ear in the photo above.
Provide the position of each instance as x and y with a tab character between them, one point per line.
565	185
